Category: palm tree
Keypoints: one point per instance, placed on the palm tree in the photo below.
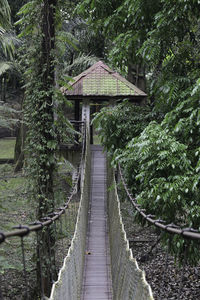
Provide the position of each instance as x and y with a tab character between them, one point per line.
5	25
7	38
6	56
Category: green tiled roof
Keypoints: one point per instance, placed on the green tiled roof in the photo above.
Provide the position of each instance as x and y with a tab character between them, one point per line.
100	80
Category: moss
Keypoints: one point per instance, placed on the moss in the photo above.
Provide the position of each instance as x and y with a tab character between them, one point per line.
106	85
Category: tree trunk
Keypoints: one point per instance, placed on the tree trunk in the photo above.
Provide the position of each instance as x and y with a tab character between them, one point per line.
19	147
45	191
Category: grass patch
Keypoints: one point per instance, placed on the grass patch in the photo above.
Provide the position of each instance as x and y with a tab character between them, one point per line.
14	203
7	147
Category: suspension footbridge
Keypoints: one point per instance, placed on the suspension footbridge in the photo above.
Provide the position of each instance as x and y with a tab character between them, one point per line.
98	263
104	268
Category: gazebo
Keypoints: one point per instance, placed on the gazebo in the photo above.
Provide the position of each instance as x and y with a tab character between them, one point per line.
97	84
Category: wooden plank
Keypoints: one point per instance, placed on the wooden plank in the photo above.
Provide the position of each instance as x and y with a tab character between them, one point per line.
97	280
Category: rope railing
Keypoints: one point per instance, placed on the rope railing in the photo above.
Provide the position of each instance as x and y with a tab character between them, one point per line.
26	229
68	285
188	233
50	220
128	280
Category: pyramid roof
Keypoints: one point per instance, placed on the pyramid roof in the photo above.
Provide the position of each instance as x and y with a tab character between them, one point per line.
99	81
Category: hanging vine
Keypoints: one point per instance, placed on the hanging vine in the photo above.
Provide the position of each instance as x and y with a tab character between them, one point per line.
39	20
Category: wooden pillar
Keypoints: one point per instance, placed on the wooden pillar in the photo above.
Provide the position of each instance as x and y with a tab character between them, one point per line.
86	113
86	119
77	117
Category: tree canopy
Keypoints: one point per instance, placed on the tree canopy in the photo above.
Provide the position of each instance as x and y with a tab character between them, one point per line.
161	35
160	153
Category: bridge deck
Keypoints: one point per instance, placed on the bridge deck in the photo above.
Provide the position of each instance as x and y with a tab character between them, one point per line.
97	279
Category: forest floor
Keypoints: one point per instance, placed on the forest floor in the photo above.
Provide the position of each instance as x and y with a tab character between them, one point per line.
17	207
167	280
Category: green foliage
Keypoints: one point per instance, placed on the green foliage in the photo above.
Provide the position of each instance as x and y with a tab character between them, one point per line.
171	52
4	15
161	162
160	174
80	64
8	42
118	124
183	121
15	7
162	35
5	265
124	25
8	116
8	39
43	99
43	113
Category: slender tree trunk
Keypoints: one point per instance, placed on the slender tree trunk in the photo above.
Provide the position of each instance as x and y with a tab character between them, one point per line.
45	179
19	145
19	148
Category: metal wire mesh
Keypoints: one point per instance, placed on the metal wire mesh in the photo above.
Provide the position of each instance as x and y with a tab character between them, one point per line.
68	285
128	280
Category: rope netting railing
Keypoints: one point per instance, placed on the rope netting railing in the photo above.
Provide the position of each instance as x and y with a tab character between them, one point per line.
68	285
128	280
176	275
21	256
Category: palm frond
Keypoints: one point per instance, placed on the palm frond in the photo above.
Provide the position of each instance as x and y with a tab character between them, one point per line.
5	20
80	64
8	116
8	42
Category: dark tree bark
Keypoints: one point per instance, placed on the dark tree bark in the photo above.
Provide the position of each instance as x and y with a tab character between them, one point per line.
45	180
19	145
19	148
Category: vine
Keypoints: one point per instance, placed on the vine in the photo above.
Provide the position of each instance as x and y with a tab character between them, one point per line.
43	100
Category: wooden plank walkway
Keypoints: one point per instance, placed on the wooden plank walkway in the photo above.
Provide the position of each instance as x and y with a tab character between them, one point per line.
97	275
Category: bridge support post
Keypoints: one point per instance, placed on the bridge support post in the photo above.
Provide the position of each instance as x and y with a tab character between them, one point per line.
86	119
86	114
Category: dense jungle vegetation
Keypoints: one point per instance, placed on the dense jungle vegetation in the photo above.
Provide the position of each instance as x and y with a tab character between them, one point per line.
157	145
155	45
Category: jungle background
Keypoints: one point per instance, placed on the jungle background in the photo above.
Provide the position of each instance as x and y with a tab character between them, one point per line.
155	45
